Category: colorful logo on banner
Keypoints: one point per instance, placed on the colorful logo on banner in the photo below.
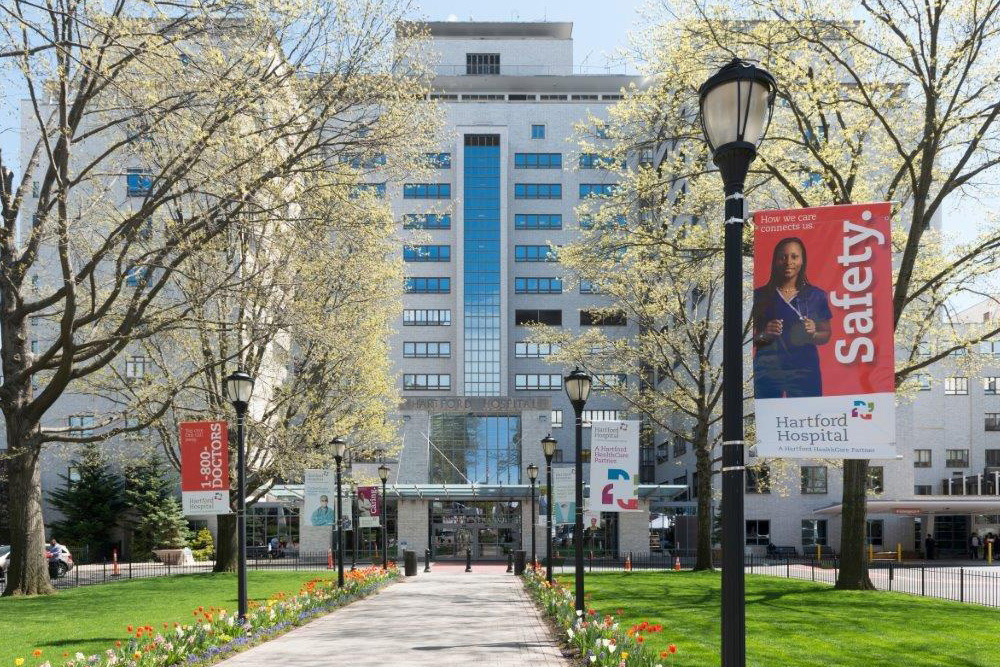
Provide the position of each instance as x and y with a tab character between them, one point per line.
614	466
823	332
204	467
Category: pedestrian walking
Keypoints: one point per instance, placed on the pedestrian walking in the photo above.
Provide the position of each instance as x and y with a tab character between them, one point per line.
974	546
929	544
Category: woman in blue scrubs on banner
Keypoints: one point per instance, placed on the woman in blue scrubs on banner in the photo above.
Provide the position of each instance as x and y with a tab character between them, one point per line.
790	318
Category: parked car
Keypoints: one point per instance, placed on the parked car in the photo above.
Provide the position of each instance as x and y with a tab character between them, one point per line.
60	560
4	560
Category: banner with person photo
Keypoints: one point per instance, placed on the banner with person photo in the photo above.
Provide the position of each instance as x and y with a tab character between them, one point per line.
320	495
823	349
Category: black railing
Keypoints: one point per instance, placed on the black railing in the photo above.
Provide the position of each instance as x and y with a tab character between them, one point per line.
108	572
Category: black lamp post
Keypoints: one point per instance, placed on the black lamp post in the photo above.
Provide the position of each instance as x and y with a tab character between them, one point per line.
533	475
736	104
239	387
339	448
383	473
578	389
548	448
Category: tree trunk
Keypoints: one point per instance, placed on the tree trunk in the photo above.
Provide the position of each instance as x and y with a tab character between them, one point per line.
28	573
853	564
226	544
703	464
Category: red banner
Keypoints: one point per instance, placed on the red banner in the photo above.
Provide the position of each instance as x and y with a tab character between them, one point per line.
205	467
824	375
368	500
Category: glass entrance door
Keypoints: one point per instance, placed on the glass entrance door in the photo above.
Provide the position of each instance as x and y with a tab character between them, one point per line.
490	529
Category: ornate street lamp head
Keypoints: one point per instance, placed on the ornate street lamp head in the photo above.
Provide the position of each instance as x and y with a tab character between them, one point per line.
577	385
549	446
736	105
339	448
383	472
239	388
532	472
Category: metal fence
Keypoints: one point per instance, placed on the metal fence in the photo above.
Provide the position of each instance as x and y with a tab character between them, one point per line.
109	572
972	584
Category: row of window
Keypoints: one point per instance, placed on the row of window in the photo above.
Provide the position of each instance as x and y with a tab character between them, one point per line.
814	532
527	221
442	350
989	348
587	417
959	385
553	317
812	479
442	253
427	286
959	458
427	381
528	97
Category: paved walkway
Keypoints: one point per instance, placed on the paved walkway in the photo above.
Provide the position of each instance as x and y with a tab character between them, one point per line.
446	618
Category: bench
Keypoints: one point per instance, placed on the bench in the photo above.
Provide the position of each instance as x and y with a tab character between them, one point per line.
774	551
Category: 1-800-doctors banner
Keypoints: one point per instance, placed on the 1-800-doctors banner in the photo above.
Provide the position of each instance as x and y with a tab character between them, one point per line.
823	351
204	467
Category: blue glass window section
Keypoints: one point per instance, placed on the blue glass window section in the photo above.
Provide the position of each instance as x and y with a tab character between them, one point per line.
534	253
596	190
537	131
426	190
596	161
438	160
537	285
482	269
538	191
135	275
377	189
428	285
427	221
538	221
427	253
139	182
475	449
537	160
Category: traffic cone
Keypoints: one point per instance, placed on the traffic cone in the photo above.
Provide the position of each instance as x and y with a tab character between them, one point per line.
677	563
628	563
329	559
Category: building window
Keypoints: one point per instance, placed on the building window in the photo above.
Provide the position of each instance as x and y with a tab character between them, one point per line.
426	190
427	221
438	160
538	285
557	456
596	190
524	350
135	433
876	479
680	446
72	474
427	285
990	348
534	253
603	319
424	317
537	191
813	532
924	381
758	479
991	385
874	532
557	419
81	426
376	190
758	532
426	381
537	131
136	275
924	348
427	253
923	490
538	221
956	386
478	64
921	458
993	458
596	161
138	182
956	458
813	479
532	316
429	350
587	417
606	381
136	367
992	421
587	222
537	160
537	381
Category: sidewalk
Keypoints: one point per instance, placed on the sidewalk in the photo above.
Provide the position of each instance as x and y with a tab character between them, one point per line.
446	618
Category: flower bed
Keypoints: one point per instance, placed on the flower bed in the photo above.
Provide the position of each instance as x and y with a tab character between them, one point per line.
214	633
600	640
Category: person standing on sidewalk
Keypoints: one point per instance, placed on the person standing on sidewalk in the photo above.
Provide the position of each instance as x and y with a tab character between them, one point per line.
974	546
929	543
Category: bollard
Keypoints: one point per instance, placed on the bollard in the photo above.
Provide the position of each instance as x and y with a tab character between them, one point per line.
427	560
510	562
989	553
899	552
921	580
871	553
468	560
961	584
890	575
819	553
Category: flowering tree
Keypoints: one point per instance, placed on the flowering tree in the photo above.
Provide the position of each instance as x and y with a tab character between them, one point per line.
215	113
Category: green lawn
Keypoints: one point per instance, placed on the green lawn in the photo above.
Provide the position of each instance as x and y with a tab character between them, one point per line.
89	619
794	623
